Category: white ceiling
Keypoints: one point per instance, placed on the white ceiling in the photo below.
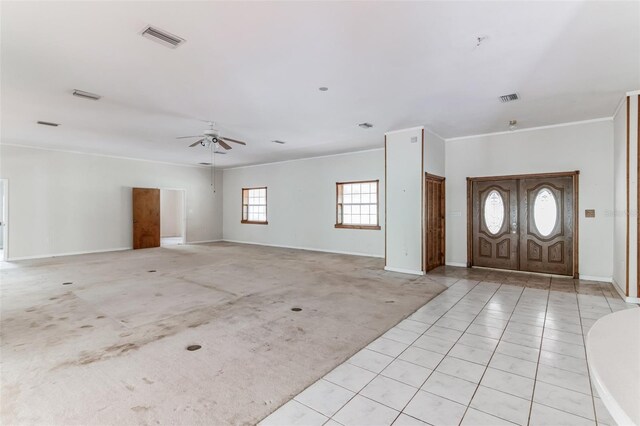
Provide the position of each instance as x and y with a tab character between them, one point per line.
255	69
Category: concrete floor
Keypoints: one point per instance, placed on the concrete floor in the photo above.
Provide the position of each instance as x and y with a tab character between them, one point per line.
110	347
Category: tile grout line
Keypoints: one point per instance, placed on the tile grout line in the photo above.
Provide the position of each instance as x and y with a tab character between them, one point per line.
584	341
535	380
492	354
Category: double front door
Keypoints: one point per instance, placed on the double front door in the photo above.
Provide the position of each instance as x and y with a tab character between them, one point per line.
524	223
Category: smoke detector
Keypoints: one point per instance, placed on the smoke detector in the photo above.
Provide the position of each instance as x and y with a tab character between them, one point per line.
509	98
163	37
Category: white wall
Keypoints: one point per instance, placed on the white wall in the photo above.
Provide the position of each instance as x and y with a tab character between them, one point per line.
620	197
171	209
586	147
62	202
301	203
434	154
405	177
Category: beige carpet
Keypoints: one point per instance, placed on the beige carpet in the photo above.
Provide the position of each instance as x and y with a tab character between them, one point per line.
110	347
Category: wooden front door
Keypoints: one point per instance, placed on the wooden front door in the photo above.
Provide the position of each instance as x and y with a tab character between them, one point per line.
146	218
525	223
546	213
495	224
434	221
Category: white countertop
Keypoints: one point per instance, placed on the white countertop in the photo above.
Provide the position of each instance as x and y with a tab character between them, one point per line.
613	351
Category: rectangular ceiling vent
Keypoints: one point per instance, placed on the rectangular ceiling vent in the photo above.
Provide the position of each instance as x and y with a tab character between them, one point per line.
162	37
509	98
86	95
48	123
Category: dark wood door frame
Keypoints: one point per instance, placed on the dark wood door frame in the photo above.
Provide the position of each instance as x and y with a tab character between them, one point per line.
574	174
442	204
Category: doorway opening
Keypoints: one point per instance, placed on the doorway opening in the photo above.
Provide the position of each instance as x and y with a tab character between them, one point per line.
524	223
434	221
4	231
172	217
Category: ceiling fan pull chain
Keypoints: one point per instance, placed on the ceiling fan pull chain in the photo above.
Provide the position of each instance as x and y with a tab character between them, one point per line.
213	167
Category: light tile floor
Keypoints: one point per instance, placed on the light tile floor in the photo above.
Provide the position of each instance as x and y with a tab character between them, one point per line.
494	348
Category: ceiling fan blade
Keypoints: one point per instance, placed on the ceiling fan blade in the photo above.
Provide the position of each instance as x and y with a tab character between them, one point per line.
233	140
224	144
196	143
187	137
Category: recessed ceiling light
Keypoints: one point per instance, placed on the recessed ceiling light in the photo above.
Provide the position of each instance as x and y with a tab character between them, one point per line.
48	123
164	38
280	142
365	125
323	89
86	95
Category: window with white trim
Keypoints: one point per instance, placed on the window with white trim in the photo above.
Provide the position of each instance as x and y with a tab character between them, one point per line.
254	205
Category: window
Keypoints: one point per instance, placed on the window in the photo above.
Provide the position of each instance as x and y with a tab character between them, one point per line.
254	205
357	205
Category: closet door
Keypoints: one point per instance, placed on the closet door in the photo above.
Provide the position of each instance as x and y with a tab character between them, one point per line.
546	217
146	218
495	224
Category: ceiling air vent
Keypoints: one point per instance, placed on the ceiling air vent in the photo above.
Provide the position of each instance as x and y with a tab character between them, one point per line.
86	95
162	37
509	98
48	123
280	142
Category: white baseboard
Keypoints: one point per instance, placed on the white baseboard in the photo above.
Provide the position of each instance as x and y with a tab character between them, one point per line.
304	248
74	253
458	264
403	271
596	278
204	241
623	295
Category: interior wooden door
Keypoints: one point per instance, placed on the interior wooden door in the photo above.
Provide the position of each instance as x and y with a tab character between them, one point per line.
146	218
495	224
547	215
434	221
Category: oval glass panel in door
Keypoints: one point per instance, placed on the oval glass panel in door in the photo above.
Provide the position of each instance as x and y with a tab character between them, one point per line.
494	212
545	212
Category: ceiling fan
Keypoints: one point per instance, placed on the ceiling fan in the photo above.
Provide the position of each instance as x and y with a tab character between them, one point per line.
212	136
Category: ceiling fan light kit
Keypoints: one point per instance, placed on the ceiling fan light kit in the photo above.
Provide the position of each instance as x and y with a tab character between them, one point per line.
210	138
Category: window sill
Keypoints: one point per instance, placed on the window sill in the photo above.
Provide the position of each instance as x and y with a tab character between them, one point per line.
373	227
251	222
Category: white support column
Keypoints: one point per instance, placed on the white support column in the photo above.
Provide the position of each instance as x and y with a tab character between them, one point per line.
404	201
